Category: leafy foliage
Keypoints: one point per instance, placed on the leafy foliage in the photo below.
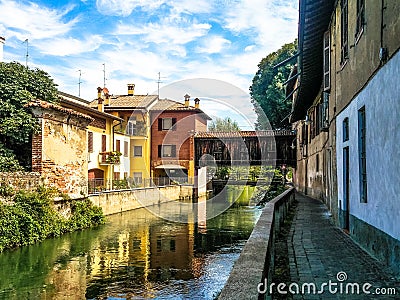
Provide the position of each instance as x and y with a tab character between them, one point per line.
267	90
18	86
32	218
226	124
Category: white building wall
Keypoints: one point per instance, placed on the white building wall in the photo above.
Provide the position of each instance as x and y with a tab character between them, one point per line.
381	98
124	166
94	157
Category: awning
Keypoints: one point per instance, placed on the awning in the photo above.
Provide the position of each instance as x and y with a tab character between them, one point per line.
170	167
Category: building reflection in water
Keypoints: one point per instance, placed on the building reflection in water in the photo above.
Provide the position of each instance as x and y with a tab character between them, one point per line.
136	254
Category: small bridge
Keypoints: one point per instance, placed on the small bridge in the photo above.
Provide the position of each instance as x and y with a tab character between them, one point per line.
244	148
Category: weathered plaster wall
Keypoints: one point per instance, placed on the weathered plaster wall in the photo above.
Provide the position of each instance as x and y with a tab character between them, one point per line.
64	158
382	106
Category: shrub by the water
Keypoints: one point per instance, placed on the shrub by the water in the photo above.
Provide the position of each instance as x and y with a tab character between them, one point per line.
32	218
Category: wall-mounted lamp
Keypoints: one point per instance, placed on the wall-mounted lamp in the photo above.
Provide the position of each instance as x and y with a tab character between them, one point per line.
307	121
293	145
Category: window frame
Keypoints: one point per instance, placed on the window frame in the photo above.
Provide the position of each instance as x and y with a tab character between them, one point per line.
135	152
162	149
162	127
327	61
345	129
360	19
362	154
344	31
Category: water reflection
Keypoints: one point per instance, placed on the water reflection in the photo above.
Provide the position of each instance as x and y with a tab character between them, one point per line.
135	255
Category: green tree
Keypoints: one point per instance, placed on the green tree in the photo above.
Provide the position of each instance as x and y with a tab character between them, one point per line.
18	86
267	90
226	124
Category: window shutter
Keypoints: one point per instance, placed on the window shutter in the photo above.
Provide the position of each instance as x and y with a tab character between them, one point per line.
103	143
173	150
125	148
90	142
159	150
118	145
173	124
159	124
327	61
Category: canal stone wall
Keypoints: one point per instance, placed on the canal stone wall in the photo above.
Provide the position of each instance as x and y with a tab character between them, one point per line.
113	202
20	180
252	272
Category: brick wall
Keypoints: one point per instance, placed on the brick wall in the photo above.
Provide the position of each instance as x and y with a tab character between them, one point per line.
20	180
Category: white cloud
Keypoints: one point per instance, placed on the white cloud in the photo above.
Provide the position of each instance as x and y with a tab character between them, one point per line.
33	21
172	31
270	23
125	7
69	46
213	44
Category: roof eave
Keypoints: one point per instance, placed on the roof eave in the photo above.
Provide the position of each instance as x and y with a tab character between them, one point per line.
314	19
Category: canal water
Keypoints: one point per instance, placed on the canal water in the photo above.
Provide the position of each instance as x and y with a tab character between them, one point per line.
135	255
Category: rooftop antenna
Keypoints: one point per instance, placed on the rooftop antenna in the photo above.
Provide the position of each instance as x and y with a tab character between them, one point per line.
104	75
27	52
79	82
158	84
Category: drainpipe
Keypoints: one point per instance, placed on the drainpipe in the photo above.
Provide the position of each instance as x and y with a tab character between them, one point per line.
112	149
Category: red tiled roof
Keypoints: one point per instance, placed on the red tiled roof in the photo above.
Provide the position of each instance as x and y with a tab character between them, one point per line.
235	134
132	101
171	105
48	105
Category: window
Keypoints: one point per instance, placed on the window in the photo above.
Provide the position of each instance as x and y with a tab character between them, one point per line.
345	129
116	175
118	145
137	177
344	54
137	151
317	163
90	142
360	17
126	149
130	128
362	154
166	124
324	112
327	61
166	150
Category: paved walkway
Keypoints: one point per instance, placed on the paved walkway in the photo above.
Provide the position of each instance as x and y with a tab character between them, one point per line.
319	252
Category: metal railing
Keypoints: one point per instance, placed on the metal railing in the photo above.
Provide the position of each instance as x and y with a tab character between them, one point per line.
98	185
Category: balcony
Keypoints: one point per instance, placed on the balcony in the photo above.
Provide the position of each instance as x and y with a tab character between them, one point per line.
130	128
109	158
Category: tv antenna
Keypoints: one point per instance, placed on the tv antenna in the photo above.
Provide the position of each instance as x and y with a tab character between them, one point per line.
27	52
104	75
158	84
79	82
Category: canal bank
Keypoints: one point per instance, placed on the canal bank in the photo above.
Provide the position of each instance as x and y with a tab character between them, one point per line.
112	202
136	254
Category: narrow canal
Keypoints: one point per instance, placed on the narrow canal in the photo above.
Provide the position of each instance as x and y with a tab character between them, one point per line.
135	255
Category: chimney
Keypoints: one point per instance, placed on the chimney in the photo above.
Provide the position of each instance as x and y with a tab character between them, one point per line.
131	89
2	41
100	105
99	89
187	97
197	103
106	96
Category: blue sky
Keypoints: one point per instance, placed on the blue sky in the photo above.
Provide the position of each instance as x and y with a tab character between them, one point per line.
135	39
